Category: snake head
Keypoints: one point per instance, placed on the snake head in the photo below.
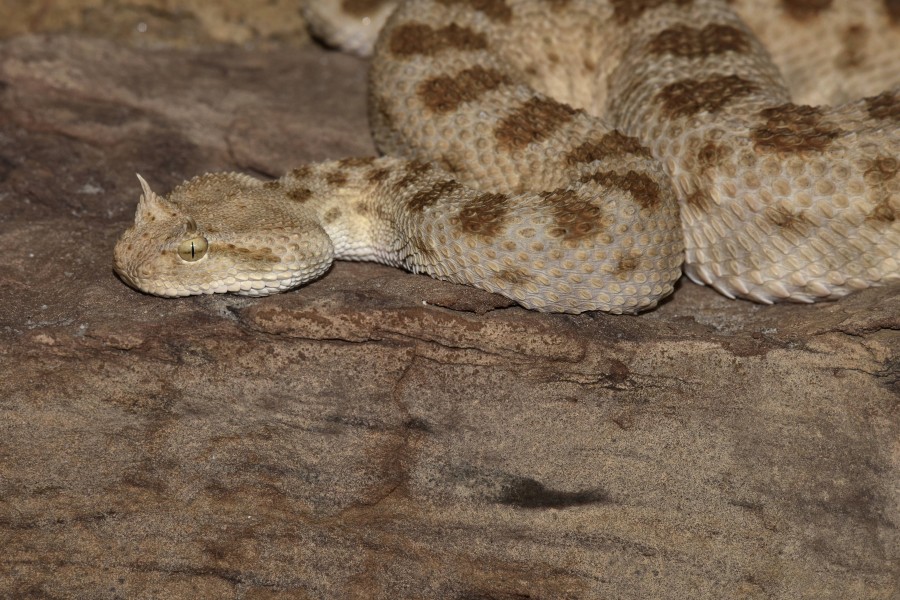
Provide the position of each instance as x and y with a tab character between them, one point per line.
220	233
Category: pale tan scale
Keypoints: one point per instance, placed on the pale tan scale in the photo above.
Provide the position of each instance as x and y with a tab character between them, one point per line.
571	154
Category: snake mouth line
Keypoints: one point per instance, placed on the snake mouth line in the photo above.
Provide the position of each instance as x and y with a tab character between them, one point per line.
245	287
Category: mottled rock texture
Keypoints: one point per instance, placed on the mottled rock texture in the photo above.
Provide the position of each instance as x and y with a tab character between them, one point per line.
379	434
170	22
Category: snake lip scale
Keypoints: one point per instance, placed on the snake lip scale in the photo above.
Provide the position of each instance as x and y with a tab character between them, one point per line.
576	155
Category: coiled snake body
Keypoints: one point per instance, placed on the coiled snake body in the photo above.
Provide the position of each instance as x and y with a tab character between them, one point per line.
572	155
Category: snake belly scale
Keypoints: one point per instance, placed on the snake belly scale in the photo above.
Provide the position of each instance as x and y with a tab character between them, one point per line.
575	155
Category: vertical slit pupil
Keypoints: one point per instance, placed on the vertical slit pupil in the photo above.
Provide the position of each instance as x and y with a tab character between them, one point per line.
192	249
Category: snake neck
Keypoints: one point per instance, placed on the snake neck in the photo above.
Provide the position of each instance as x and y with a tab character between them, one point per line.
359	202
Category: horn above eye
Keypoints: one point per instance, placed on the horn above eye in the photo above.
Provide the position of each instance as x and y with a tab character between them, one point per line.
193	249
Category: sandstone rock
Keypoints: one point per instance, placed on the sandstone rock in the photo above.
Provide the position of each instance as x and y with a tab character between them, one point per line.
186	23
379	434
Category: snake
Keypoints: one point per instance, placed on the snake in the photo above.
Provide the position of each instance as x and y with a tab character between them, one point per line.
575	155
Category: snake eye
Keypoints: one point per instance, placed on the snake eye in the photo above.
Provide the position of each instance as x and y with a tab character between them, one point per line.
193	249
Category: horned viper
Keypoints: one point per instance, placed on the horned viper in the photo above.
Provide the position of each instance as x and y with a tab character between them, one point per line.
574	154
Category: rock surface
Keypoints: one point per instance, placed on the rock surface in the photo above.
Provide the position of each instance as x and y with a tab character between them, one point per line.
184	23
383	435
